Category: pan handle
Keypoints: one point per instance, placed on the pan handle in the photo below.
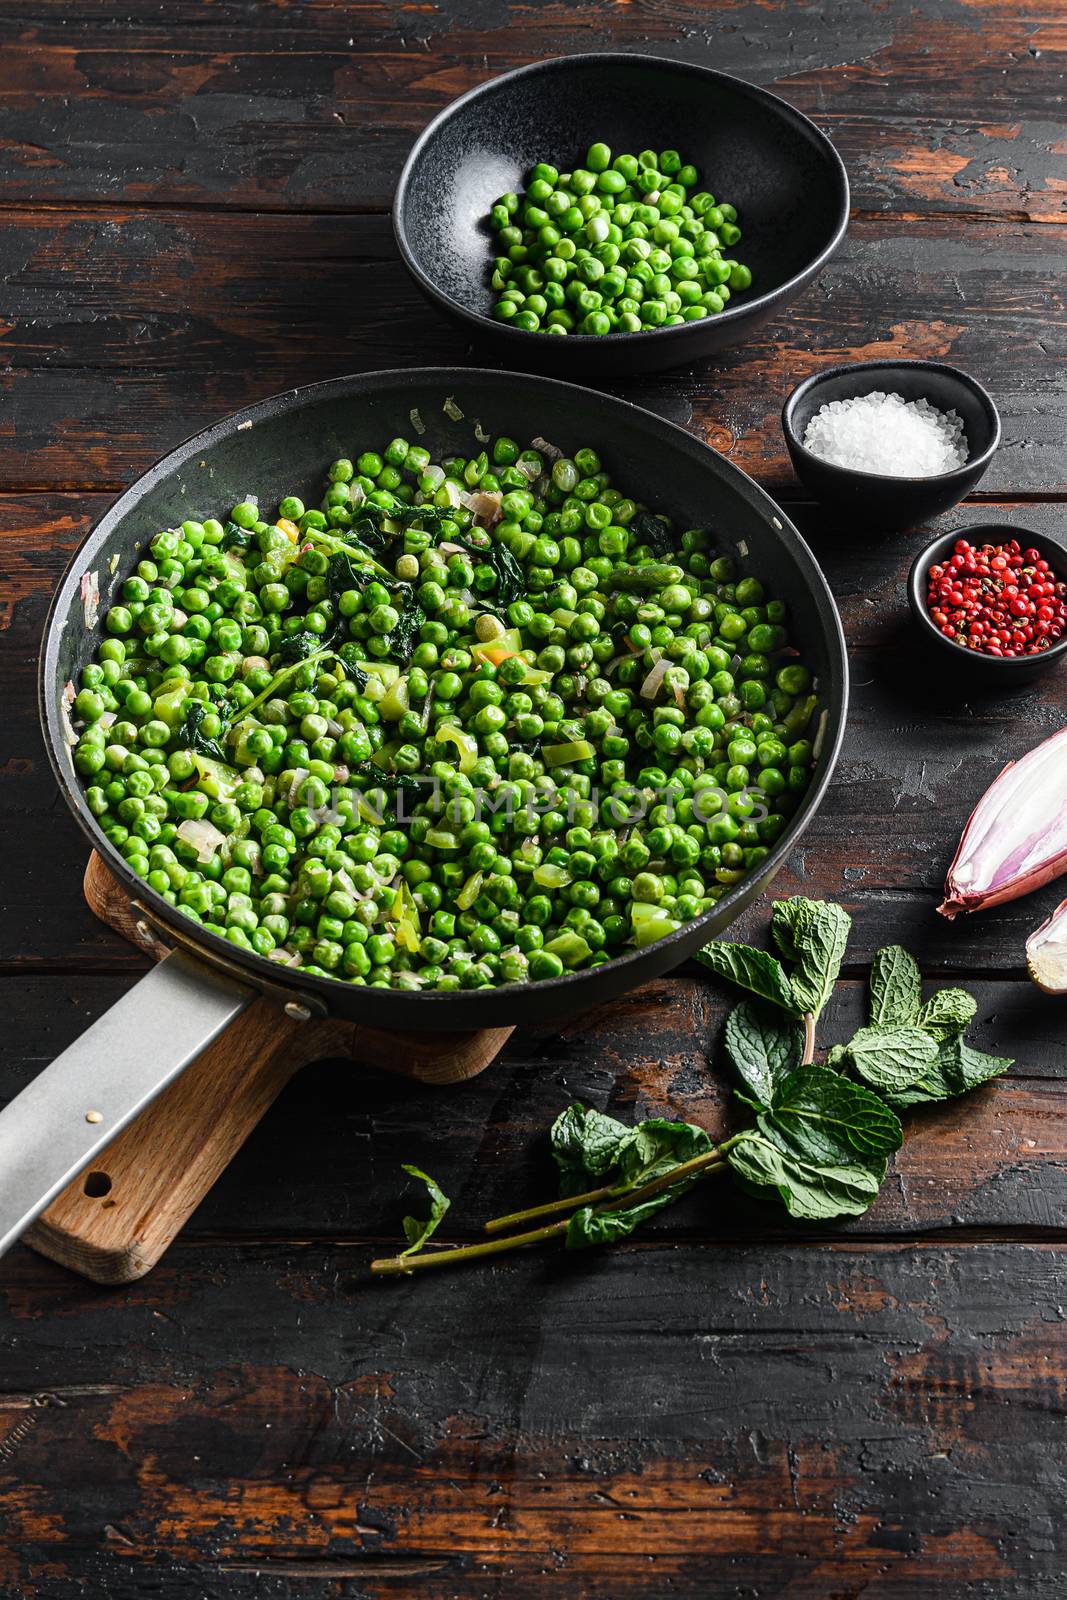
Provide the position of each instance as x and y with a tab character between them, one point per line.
76	1106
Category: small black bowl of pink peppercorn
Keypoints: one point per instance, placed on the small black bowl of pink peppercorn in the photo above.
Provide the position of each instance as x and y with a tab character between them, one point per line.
991	602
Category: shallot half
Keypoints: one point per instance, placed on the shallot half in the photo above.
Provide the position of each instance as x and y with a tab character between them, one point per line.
1046	952
1016	839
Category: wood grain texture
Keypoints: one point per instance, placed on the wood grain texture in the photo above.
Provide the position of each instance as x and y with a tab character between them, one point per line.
662	1419
125	333
193	203
314	105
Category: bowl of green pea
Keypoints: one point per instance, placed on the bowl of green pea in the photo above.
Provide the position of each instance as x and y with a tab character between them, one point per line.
617	213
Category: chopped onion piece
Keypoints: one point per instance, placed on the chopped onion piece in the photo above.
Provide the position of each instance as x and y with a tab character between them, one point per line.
442	839
486	508
416	420
342	877
650	688
299	774
66	700
1046	952
451	409
203	836
551	452
1016	838
480	433
90	592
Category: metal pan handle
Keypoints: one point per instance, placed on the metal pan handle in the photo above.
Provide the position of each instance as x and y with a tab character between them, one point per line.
76	1106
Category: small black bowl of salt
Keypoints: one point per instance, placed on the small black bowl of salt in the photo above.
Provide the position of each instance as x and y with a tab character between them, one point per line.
894	442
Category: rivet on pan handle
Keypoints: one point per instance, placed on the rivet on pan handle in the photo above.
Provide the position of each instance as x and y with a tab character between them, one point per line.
296	1003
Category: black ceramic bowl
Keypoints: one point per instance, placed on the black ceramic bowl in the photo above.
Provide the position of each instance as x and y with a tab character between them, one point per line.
972	664
783	175
888	502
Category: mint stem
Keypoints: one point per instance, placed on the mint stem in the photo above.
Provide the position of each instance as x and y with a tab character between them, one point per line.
809	1039
397	1265
700	1166
552	1208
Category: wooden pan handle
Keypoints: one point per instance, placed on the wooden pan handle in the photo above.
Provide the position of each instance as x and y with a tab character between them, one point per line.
117	1218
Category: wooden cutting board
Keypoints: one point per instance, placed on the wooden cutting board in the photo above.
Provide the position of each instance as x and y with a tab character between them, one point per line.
115	1220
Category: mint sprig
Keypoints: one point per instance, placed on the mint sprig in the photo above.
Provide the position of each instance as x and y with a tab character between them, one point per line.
817	1137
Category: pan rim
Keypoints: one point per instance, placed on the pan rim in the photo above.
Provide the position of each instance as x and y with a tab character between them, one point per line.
218	951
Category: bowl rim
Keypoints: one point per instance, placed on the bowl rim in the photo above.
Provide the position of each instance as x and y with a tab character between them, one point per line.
976	463
977	660
732	313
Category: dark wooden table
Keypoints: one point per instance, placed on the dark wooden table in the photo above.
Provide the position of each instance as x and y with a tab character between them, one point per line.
194	204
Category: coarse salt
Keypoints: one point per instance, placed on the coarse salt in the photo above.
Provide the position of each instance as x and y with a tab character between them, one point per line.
886	434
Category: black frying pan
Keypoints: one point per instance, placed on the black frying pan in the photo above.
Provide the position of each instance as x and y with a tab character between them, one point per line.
78	1104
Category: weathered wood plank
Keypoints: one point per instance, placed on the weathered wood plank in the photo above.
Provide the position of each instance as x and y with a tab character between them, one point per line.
699	1421
124	334
315	105
326	1162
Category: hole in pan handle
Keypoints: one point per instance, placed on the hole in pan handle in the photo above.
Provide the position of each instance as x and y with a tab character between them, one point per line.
75	1107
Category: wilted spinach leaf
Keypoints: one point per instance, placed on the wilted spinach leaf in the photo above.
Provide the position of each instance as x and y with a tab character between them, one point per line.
235	538
191	732
298	646
653	531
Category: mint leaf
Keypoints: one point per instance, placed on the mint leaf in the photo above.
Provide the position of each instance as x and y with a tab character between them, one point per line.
807	1189
836	1054
416	1231
947	1013
896	988
891	1058
955	1069
813	933
650	1150
749	969
655	1146
763	1046
821	1117
587	1227
586	1145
